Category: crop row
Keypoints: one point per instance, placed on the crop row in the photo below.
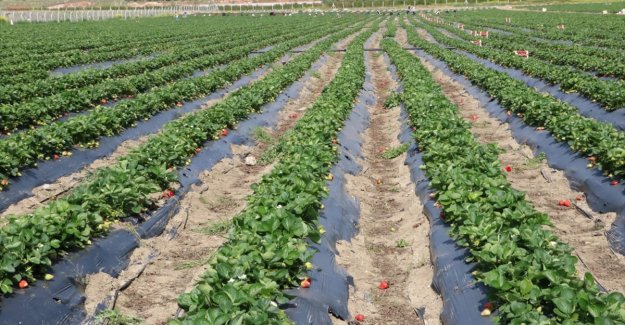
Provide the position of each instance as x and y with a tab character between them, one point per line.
588	30
35	69
49	61
530	274
29	243
581	7
598	140
24	149
609	93
391	28
578	27
189	48
209	28
267	250
42	49
586	59
40	69
42	111
35	38
609	55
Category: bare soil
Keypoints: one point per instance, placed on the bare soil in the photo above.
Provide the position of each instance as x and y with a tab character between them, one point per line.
393	243
544	188
42	195
45	193
180	260
401	37
425	35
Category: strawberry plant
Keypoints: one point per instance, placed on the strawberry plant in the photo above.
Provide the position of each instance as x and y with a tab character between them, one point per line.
32	61
581	29
609	93
30	243
190	47
42	111
24	149
584	135
267	250
530	274
596	60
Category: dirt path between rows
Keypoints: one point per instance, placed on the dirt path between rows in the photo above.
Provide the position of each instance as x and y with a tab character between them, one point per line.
42	195
544	188
205	211
393	242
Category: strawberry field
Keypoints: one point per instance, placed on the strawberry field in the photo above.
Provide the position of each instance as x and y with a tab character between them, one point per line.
433	167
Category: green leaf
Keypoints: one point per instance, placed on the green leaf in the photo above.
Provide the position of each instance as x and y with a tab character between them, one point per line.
6	286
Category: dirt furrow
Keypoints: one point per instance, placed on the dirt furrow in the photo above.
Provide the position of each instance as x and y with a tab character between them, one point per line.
43	194
544	188
205	214
393	242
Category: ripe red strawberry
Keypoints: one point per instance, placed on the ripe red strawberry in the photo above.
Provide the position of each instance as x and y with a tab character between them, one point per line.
197	150
488	305
360	317
592	158
224	132
614	183
305	283
508	168
55	157
168	194
179	104
4	182
579	198
103	101
22	284
566	203
383	285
